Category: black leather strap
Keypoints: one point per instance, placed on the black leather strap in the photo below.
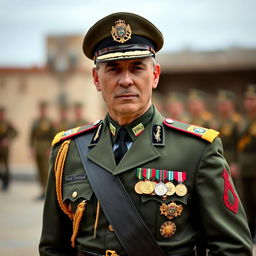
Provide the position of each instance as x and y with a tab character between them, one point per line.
117	205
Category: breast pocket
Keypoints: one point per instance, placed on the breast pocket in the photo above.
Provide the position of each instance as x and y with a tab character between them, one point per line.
164	217
76	192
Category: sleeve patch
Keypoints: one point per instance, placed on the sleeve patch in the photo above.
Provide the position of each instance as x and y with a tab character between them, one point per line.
232	205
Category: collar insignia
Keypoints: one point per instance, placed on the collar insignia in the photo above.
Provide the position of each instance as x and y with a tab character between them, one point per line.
112	129
157	134
138	129
97	134
121	32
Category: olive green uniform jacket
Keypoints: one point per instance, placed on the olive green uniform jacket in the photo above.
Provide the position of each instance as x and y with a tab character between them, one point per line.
41	135
209	207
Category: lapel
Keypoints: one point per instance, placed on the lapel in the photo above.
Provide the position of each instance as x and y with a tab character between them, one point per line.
102	153
141	152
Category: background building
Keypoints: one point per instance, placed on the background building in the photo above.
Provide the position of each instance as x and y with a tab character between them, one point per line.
66	78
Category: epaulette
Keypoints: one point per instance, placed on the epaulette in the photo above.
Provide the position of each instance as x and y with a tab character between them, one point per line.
204	133
64	135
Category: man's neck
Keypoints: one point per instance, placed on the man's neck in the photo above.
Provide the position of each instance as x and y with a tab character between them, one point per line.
123	120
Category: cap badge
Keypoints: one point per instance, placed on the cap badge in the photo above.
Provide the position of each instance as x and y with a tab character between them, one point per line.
121	32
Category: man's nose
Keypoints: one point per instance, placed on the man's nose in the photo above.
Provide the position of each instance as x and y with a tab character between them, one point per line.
125	79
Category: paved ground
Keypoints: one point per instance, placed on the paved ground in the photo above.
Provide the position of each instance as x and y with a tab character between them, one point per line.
21	218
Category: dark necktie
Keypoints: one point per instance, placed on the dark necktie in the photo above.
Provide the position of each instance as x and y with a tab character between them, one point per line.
122	138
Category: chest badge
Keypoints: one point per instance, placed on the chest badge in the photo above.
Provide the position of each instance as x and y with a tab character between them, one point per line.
171	210
168	229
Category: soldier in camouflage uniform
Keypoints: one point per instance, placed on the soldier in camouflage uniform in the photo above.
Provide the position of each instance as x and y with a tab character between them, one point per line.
247	157
41	134
7	134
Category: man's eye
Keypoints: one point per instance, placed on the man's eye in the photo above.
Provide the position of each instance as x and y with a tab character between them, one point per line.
137	68
113	69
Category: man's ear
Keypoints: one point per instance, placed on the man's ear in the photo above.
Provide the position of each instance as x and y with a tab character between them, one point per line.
156	75
96	79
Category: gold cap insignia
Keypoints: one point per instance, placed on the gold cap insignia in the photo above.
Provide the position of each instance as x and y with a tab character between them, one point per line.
121	32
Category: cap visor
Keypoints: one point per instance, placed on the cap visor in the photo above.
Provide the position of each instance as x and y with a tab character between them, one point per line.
123	56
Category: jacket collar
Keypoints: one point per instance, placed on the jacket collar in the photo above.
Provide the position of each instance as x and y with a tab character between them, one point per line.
142	151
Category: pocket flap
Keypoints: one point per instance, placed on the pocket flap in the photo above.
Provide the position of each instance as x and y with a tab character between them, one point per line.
74	191
146	198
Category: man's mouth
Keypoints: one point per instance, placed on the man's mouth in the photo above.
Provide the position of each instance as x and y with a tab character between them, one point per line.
126	95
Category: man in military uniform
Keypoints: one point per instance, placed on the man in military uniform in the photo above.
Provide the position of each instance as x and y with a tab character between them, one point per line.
7	134
64	122
41	134
136	183
247	149
199	115
228	122
78	115
174	105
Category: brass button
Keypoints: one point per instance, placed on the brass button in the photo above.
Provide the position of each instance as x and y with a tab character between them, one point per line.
169	121
74	194
110	228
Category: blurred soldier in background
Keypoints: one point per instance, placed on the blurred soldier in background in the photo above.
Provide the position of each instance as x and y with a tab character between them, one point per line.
199	115
7	134
174	104
228	121
78	115
157	100
64	123
41	136
247	158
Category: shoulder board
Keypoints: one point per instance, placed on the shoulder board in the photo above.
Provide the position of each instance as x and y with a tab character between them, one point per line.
64	135
204	133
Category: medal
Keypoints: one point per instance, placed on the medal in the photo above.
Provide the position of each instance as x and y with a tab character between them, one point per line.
181	190
171	210
170	188
147	187
137	187
160	189
168	229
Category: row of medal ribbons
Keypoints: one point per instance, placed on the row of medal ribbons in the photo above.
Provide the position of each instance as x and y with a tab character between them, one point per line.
160	182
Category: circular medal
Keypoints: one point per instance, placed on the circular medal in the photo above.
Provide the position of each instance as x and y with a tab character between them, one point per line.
170	188
181	190
160	189
168	229
137	187
147	187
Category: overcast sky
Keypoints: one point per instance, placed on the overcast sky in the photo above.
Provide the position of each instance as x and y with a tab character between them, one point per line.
193	24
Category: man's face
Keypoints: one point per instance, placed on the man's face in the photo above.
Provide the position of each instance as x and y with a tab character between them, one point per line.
250	104
225	107
126	86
